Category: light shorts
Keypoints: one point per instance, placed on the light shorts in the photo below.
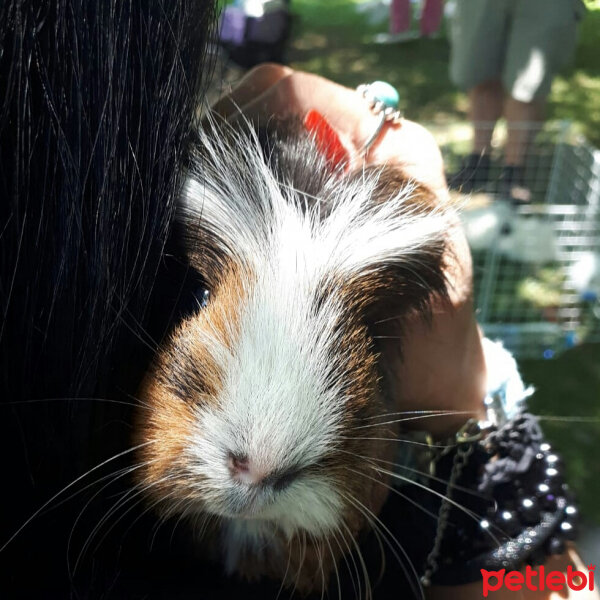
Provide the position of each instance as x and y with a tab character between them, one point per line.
523	43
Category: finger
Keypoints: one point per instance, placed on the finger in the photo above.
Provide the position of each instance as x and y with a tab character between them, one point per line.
300	92
252	85
407	144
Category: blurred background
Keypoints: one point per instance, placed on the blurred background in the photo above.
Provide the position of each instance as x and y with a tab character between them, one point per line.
537	263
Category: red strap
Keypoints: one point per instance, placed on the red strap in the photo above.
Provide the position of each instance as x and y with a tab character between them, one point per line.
327	140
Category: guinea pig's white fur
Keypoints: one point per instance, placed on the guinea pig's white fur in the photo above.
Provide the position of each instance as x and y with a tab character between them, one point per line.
276	371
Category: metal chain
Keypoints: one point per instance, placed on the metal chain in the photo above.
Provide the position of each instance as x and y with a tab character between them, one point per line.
463	452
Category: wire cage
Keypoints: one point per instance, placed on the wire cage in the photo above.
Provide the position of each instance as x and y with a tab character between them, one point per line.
536	263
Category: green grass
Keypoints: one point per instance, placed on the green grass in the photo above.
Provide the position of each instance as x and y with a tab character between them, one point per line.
576	92
569	387
333	40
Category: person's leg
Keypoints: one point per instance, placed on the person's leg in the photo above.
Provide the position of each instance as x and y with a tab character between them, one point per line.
478	39
400	16
431	17
524	120
486	102
541	39
477	42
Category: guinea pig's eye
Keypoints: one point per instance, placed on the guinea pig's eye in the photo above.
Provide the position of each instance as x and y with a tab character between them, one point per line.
193	296
202	295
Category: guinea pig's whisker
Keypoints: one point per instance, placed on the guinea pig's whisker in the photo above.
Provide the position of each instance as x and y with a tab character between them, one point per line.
303	550
388	319
334	533
116	475
104	521
125	498
347	556
34	401
208	520
322	562
365	572
399	440
462	508
97	529
383	561
149	343
122	495
379	532
360	580
70	570
321	556
438	479
335	568
164	518
367	459
287	570
319	553
191	508
375	521
418	417
295	539
370	460
298	191
407	412
161	520
200	523
120	474
382	553
139	401
441	412
69	486
553	418
146	511
378	537
396	491
141	328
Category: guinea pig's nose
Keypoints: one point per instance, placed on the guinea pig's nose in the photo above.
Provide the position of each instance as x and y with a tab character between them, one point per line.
243	470
281	479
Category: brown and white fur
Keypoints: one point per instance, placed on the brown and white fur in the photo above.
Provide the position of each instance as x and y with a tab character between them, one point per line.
255	397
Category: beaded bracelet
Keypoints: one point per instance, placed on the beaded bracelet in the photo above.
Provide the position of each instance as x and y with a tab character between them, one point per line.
504	501
525	509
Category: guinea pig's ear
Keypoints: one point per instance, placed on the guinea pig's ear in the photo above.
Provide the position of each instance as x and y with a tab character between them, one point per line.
391	243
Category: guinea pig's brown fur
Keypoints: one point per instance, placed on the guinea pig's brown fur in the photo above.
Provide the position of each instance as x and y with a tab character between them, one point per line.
256	396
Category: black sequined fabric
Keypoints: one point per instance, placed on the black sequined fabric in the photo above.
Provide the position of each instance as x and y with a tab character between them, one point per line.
516	507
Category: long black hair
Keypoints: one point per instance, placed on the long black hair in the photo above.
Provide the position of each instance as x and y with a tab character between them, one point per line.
97	101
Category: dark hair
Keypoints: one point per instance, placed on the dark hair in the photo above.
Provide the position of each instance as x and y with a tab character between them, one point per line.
98	99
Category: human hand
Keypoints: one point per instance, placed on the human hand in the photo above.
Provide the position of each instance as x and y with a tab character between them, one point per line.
441	366
274	90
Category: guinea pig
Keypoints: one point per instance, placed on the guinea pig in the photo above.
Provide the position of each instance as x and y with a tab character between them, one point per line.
252	403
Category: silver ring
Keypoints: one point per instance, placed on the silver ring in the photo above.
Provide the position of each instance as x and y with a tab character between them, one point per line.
385	105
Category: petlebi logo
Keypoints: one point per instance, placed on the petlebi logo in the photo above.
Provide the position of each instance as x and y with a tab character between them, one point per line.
535	580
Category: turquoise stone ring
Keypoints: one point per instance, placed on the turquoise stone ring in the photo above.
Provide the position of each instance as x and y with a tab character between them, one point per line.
385	93
383	99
